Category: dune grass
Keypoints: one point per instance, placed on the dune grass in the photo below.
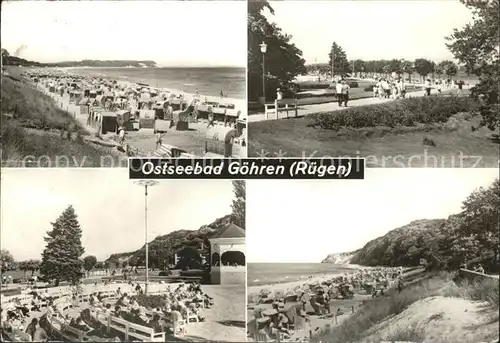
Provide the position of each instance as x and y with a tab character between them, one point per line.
418	287
37	133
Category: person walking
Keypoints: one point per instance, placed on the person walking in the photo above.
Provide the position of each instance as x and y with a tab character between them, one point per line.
402	88
428	87
121	134
338	89
210	120
400	284
345	92
159	140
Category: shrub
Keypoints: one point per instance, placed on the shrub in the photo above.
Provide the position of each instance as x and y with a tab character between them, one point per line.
151	301
165	273
193	272
405	112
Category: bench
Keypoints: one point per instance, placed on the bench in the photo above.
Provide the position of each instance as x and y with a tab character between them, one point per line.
19	335
134	331
67	329
284	105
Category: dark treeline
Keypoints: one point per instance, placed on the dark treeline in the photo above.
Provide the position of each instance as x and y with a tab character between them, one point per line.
470	236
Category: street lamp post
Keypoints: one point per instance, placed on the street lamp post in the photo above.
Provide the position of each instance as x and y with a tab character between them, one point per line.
146	184
263	49
333	65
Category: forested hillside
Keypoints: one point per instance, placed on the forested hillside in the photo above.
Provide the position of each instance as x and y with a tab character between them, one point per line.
470	235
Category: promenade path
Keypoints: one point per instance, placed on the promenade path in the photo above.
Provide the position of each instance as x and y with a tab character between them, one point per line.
329	107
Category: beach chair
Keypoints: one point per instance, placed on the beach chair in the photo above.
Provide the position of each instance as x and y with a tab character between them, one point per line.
191	316
279	294
179	323
291	313
299	323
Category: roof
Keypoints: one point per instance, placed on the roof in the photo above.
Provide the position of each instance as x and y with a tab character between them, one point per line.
230	231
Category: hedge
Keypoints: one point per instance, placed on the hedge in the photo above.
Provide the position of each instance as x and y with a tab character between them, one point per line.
151	301
405	112
313	85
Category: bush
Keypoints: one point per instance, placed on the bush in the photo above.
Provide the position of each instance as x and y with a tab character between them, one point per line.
193	272
405	112
165	273
151	301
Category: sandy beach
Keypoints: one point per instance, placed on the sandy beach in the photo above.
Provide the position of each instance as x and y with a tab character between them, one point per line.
142	142
340	307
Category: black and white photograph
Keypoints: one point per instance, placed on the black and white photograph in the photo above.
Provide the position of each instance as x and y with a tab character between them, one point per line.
395	82
112	260
406	255
99	81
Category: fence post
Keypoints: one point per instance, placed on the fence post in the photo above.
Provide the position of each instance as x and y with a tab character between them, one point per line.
126	332
352	308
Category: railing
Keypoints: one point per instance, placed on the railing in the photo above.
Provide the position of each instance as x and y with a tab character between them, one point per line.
473	275
131	330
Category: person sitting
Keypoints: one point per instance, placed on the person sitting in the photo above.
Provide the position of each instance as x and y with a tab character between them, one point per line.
31	328
22	308
40	334
479	269
155	324
80	324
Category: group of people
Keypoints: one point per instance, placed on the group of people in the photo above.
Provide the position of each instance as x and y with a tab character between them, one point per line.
176	305
442	84
389	88
318	296
342	92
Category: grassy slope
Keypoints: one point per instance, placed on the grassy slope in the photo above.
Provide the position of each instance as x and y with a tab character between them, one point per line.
35	132
422	311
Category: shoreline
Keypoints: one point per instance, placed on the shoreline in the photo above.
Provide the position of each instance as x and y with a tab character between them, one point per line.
308	279
240	103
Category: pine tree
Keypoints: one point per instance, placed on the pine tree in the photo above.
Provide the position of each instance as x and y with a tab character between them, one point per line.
61	257
341	65
239	203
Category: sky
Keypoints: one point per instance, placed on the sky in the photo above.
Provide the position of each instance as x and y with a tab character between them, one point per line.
110	208
370	29
304	221
171	33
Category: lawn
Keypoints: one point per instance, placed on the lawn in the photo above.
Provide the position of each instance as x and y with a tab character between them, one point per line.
456	142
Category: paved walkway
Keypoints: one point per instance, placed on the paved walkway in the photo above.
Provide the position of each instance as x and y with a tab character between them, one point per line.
328	107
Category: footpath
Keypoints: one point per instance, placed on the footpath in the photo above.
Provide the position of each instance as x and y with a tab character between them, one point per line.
330	106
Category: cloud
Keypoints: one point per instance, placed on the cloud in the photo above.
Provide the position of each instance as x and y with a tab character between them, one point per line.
19	51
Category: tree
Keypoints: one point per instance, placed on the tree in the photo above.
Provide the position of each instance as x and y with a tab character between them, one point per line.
100	265
481	223
89	262
283	60
477	47
189	258
358	66
423	67
6	259
61	257
341	65
395	66
449	68
408	67
239	203
30	265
